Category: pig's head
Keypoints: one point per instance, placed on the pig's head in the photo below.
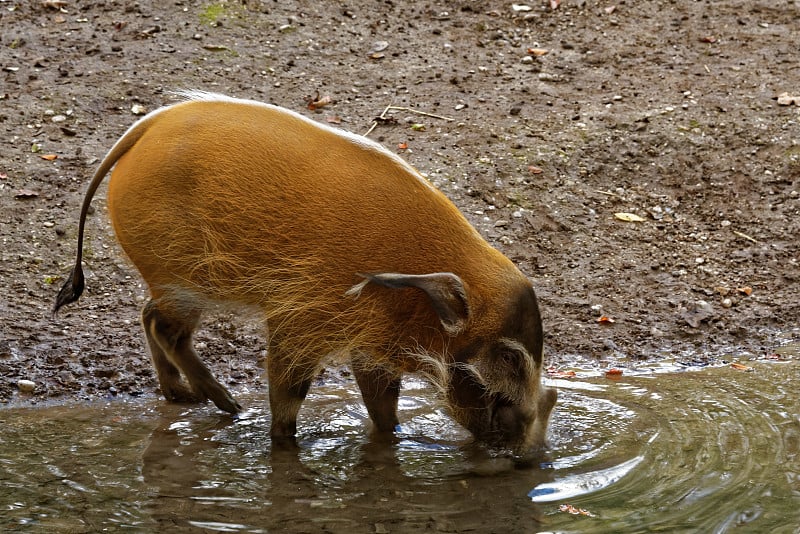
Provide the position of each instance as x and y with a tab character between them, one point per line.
495	388
494	365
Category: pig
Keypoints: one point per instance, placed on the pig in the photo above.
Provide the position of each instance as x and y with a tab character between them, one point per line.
344	250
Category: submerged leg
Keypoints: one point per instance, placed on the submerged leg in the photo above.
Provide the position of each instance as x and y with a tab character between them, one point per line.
380	389
170	341
289	382
169	377
547	399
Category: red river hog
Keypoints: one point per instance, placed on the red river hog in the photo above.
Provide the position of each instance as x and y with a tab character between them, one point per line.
342	248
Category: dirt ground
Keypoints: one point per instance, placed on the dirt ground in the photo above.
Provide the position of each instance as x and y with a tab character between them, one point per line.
547	122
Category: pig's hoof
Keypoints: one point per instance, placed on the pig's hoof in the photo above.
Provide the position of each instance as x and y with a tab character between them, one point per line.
224	401
228	404
181	393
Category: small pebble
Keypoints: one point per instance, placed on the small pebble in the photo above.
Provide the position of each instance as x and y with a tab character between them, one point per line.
727	303
26	386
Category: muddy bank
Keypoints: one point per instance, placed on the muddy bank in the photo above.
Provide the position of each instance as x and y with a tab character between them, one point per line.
560	119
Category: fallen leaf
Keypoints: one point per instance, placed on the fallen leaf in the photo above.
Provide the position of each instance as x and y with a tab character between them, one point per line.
614	373
628	217
568	508
537	51
417	127
605	319
402	146
54	4
379	46
533	169
785	99
49	157
745	290
385	120
741	367
708	39
23	194
557	373
215	47
318	102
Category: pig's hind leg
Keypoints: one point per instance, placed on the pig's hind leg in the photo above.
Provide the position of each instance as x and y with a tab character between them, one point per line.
170	340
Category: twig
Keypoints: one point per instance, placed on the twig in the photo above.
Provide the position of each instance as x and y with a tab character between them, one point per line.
412	110
609	193
400	108
745	236
375	123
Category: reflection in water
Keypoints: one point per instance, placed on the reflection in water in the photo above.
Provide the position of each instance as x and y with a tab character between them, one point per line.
710	451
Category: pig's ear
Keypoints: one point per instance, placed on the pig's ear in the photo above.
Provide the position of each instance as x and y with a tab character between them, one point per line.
446	291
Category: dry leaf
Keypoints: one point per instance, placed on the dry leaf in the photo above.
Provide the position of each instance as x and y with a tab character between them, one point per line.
215	47
745	290
23	194
49	157
568	508
533	169
614	373
741	367
318	102
785	99
605	319
708	39
628	217
54	4
552	372
402	146
537	51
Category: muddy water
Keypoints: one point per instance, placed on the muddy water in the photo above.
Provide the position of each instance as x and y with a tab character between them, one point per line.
716	450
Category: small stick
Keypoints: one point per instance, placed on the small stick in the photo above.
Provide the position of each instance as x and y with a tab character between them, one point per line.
375	123
400	108
745	236
412	110
609	193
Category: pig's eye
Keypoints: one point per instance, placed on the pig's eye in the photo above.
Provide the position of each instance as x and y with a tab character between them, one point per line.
509	358
511	361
